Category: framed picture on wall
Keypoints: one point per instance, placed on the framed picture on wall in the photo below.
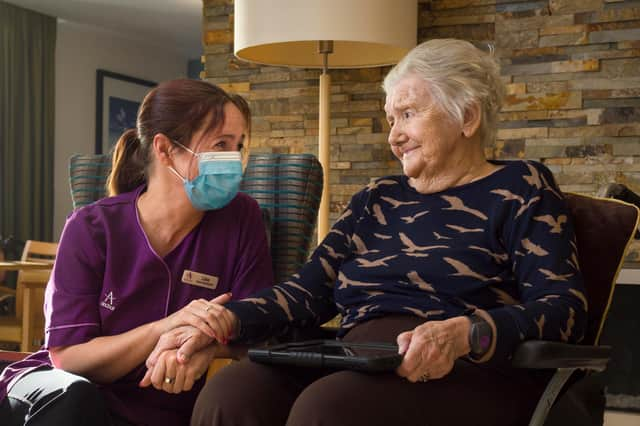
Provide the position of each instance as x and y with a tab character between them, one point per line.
118	98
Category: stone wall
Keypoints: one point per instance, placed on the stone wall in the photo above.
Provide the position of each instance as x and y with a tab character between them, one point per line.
572	69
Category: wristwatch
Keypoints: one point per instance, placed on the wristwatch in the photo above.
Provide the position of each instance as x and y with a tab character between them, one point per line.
480	336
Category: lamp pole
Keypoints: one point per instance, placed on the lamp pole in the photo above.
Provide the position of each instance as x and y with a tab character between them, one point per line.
325	47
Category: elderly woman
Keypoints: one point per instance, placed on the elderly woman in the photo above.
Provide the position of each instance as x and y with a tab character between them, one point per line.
458	260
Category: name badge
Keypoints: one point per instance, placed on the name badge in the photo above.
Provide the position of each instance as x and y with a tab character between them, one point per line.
199	279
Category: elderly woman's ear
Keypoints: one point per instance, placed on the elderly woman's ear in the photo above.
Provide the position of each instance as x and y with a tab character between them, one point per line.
472	120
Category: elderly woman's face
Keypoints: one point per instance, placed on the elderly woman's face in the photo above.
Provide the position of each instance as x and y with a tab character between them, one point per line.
421	135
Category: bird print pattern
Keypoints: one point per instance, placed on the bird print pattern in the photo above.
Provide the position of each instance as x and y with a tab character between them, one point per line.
503	243
411	219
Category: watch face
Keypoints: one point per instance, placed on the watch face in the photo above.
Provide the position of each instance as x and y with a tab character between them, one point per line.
485	341
480	335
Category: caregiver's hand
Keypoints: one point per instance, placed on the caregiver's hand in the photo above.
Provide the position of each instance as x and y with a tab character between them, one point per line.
172	376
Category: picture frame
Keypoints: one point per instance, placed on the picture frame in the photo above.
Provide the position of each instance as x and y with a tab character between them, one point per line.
118	98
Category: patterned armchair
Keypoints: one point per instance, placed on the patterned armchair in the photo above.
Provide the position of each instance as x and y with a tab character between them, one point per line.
289	187
88	178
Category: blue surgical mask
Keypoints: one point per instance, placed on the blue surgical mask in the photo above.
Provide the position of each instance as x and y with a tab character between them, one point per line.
218	180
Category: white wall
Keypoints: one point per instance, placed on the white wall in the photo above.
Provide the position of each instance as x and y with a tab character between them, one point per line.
80	51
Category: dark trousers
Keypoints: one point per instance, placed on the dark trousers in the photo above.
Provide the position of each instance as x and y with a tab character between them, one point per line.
247	393
55	397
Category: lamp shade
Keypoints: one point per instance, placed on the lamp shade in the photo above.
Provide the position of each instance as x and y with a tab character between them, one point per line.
365	33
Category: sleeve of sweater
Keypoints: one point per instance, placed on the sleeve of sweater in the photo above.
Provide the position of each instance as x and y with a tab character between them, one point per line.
306	298
539	237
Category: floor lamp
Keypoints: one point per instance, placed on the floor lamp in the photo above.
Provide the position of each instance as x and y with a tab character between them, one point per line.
324	34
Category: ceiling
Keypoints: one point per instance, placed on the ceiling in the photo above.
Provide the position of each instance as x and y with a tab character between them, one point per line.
173	24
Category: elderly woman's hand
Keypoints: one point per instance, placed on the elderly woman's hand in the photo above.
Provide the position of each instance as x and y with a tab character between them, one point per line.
431	349
207	315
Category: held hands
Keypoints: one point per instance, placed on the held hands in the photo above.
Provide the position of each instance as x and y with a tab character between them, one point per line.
168	370
184	350
189	339
207	316
431	349
186	336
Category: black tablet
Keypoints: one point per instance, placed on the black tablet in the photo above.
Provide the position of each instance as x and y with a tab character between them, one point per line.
370	357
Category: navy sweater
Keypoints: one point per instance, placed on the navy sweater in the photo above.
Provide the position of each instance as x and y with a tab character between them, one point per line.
503	244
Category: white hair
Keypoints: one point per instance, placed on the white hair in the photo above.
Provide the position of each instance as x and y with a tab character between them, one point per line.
458	75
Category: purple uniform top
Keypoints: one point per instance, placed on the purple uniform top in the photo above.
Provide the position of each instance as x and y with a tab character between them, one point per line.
107	280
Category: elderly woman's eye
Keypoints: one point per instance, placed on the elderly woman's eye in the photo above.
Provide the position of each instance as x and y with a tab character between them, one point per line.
407	114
